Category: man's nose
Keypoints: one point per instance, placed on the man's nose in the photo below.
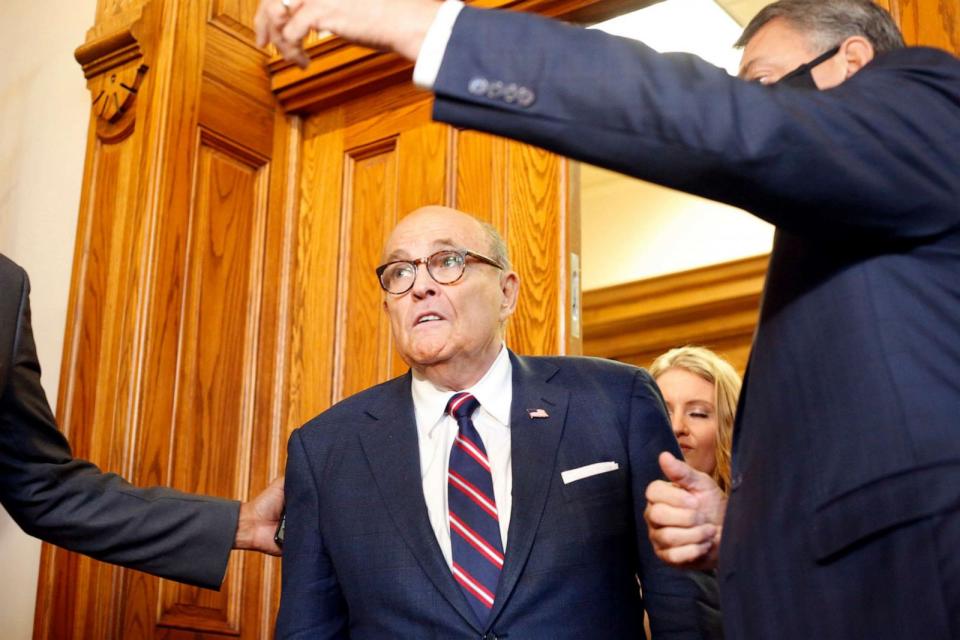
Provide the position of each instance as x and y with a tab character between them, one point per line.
423	283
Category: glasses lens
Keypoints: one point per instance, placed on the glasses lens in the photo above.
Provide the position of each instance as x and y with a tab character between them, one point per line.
445	266
398	276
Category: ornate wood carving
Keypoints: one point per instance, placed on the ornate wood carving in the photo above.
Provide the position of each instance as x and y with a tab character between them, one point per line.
114	68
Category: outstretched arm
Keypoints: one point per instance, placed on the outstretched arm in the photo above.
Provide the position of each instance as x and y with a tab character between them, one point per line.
73	504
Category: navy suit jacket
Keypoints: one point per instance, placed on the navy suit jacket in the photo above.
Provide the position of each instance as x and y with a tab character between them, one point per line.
848	429
361	560
70	502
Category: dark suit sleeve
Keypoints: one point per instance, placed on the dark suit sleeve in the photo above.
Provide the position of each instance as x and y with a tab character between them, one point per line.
680	604
70	502
875	156
311	604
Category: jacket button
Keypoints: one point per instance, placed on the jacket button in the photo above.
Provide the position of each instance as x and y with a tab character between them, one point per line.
525	97
736	481
495	90
478	86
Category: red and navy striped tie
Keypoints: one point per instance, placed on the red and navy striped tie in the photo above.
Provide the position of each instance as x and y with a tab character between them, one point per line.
474	521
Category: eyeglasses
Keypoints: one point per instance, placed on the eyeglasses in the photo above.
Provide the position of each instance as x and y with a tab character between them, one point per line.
445	267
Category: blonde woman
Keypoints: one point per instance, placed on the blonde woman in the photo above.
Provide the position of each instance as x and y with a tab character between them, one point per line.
701	391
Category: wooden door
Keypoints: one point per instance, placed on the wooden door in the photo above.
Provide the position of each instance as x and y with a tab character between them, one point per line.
170	368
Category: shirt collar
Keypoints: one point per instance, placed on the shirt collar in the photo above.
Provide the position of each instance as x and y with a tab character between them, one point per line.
492	391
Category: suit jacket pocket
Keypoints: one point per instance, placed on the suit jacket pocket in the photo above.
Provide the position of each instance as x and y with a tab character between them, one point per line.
610	484
885	503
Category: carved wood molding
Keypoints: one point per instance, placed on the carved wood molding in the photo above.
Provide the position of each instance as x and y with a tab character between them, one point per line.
114	69
340	71
701	305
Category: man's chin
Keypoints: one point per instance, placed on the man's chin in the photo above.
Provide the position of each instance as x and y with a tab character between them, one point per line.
426	355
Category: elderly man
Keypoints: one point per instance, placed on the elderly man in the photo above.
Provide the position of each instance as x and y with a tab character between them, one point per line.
845	512
483	494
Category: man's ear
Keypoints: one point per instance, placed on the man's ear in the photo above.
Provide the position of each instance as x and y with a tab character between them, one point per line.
856	52
510	288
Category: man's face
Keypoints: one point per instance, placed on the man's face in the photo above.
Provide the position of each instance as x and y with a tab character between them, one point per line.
456	323
777	49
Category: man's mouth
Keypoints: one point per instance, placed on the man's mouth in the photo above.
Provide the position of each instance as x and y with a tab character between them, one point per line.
427	317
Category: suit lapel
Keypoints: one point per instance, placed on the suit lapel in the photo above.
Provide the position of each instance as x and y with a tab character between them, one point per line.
390	443
534	444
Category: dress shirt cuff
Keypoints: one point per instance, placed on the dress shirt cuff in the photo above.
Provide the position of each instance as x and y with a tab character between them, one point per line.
435	44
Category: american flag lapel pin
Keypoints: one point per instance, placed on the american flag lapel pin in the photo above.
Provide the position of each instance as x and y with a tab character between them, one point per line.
537	413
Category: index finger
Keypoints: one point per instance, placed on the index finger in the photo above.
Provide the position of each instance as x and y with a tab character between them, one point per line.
269	20
661	491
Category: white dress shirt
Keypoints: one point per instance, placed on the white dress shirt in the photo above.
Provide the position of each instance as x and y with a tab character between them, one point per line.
436	432
435	44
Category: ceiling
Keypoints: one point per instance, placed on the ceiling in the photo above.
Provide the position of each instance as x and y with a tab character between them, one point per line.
742	10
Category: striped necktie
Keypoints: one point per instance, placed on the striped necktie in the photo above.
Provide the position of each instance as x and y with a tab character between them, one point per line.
474	522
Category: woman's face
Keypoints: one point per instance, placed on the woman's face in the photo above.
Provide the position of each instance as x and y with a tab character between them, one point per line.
691	403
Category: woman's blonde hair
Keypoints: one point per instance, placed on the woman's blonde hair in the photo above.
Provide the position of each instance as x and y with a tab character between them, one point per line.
726	383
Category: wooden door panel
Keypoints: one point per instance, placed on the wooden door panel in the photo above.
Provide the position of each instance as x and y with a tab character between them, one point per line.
402	169
237	14
217	364
423	166
537	239
363	345
481	186
313	306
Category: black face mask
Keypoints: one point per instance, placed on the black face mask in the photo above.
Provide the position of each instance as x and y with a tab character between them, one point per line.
802	76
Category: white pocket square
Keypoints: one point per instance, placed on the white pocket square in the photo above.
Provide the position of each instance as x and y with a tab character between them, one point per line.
572	475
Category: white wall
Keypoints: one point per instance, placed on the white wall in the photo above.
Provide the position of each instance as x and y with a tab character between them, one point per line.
44	106
633	230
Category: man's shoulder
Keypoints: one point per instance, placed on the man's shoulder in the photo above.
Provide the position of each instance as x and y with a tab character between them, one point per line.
576	367
11	274
13	280
346	413
927	64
